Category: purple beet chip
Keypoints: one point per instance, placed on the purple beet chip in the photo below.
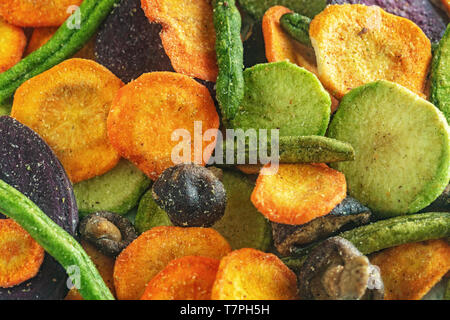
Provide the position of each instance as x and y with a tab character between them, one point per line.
421	12
29	165
129	45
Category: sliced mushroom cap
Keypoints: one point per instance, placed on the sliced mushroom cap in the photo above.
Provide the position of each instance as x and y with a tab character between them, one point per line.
110	233
336	270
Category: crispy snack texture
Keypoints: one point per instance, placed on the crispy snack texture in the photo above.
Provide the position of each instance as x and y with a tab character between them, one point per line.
20	255
249	274
357	44
409	271
68	106
36	13
186	278
146	113
298	193
152	251
188	35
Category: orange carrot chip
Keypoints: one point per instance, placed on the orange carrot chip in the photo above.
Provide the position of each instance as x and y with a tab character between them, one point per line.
12	44
154	114
409	271
37	13
151	252
299	193
187	278
68	106
20	255
249	274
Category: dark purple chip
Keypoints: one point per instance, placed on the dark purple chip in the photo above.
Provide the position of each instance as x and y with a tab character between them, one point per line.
422	12
29	165
129	45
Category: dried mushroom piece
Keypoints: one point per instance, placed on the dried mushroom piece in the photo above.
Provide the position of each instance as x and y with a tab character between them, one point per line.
191	195
349	214
336	270
109	232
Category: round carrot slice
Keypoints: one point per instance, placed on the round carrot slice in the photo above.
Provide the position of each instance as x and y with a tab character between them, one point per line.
299	193
188	35
33	13
249	274
148	112
20	255
150	253
13	42
187	278
68	106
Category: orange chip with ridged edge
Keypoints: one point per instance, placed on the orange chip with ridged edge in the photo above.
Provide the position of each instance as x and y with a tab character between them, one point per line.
12	45
68	106
298	193
409	271
280	46
249	274
20	255
150	253
188	35
187	278
37	13
157	113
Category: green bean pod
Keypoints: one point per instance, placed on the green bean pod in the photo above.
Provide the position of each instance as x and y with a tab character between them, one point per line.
67	41
230	57
297	26
56	241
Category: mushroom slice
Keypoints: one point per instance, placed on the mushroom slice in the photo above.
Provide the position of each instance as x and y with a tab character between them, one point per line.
109	232
349	214
336	270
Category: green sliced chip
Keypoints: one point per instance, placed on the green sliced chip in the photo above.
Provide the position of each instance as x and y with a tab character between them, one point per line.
281	95
257	8
150	215
402	148
440	75
116	191
242	225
